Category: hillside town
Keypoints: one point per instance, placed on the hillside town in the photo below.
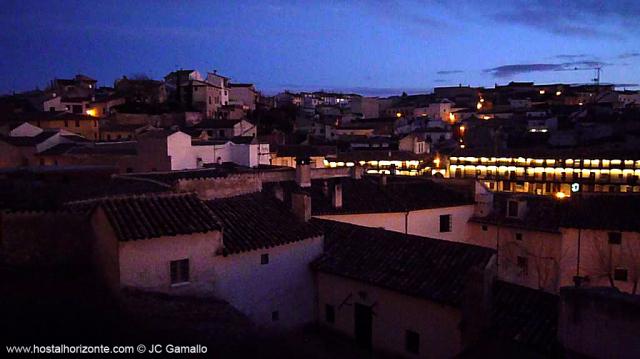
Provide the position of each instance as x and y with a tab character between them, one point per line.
465	222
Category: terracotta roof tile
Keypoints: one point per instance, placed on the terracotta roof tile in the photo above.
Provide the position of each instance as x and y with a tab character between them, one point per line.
256	221
423	267
151	216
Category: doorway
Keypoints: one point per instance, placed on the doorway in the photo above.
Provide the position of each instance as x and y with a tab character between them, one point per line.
363	325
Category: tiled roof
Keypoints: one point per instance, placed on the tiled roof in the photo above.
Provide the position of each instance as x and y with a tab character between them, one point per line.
257	221
423	267
593	211
606	212
524	315
151	216
368	195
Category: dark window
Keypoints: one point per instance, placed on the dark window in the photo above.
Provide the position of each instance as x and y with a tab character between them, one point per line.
615	238
512	209
620	274
66	123
77	123
221	133
518	236
180	271
264	258
329	313
129	170
275	316
523	266
77	108
52	109
412	342
209	100
445	223
485	228
42	162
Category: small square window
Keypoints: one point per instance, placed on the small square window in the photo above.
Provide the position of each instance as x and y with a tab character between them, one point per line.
518	236
179	271
445	223
615	238
412	342
485	228
264	258
620	274
275	316
329	313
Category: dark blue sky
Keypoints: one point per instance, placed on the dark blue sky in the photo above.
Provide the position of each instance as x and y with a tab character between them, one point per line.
374	47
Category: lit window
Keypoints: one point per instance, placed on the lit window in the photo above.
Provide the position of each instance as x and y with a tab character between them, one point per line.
179	271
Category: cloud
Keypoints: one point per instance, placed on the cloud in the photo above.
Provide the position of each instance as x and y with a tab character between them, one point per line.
628	55
588	19
510	70
449	72
571	56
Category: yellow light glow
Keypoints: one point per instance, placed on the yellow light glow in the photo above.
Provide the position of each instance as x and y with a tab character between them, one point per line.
486	117
452	118
436	161
481	100
398	114
580	103
558	93
479	105
92	112
561	195
542	92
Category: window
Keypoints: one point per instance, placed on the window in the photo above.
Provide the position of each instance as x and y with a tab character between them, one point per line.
209	100
77	123
179	271
412	342
66	123
512	209
485	228
77	108
615	238
620	274
52	109
445	223
523	266
264	258
221	133
518	236
329	313
275	316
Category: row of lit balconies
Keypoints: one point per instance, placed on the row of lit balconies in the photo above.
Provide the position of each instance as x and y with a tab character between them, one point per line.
537	162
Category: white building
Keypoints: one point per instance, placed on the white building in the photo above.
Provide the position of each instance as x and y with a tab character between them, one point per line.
248	250
187	153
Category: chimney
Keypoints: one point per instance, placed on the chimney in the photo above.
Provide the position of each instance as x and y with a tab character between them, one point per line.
303	172
383	179
336	198
301	205
278	192
356	172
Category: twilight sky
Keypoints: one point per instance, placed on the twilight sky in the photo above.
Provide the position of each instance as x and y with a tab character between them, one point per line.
372	47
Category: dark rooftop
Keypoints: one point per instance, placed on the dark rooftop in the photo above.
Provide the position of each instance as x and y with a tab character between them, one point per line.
417	266
526	316
157	215
258	221
368	195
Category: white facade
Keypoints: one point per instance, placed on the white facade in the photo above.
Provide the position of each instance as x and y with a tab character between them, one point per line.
425	222
184	155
